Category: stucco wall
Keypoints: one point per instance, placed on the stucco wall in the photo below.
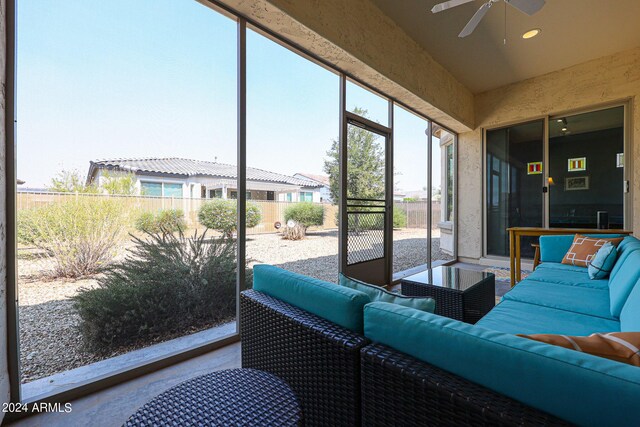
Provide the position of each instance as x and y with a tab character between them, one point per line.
4	377
357	37
598	82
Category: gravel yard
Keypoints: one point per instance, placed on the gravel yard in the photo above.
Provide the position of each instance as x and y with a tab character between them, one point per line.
48	322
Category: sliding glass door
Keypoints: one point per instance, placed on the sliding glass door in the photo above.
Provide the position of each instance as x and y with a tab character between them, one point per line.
514	183
586	169
579	183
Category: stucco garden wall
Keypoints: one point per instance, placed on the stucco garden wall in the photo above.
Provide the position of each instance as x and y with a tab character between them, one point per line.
591	84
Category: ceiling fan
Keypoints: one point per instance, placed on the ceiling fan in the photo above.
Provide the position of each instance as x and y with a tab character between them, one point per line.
527	6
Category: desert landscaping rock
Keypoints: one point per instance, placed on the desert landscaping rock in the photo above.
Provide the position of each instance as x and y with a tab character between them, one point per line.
49	337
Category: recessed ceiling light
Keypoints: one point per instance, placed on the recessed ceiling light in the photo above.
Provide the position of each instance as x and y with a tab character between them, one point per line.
564	129
559	120
531	33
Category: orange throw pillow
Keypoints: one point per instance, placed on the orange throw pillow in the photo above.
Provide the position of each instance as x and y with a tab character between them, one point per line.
618	346
584	248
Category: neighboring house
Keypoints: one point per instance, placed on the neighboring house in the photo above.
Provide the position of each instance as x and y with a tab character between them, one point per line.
187	178
420	195
323	180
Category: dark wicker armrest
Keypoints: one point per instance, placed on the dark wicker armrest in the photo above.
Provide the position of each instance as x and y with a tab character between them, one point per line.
399	390
317	358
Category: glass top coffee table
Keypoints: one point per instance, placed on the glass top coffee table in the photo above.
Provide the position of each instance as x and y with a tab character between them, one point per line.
460	294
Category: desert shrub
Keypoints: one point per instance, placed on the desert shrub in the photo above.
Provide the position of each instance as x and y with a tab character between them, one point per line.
221	215
399	218
168	220
167	284
305	215
80	234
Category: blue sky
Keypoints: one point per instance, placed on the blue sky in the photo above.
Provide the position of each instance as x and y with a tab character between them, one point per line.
155	78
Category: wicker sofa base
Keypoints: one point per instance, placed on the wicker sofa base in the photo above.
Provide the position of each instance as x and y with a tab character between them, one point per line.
318	359
398	390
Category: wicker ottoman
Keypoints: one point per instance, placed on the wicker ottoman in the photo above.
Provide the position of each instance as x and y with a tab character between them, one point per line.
460	294
234	397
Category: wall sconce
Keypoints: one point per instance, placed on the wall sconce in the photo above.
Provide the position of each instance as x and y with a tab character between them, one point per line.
550	180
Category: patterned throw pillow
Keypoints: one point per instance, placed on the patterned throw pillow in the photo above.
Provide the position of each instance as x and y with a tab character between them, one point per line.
602	264
618	346
585	248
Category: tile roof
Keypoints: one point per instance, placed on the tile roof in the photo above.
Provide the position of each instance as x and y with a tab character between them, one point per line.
190	167
322	179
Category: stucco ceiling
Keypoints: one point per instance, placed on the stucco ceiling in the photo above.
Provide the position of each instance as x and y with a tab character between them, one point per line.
573	31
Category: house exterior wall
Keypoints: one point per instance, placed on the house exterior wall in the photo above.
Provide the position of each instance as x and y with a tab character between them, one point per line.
599	82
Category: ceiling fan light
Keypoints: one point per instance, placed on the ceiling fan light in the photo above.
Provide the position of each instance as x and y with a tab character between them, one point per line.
531	33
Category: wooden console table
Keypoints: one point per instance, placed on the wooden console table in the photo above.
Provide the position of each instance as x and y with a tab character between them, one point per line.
516	232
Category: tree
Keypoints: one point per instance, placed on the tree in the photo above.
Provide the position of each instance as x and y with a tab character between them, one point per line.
119	183
365	164
70	182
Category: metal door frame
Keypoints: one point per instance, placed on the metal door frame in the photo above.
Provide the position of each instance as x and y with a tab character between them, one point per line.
347	118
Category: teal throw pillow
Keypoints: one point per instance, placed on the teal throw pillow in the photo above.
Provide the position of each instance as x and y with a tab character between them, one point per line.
603	262
378	294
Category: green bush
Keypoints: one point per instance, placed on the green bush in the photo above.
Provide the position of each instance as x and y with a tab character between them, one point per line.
305	214
167	220
80	234
221	215
167	284
399	218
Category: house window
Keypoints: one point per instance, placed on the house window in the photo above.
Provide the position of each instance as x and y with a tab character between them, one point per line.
215	194
151	189
161	189
306	196
289	197
234	195
271	195
172	190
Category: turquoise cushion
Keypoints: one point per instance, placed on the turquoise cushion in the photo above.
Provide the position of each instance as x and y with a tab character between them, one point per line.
563	274
630	314
623	254
627	241
579	299
515	317
376	293
603	262
337	304
554	248
578	387
560	266
621	283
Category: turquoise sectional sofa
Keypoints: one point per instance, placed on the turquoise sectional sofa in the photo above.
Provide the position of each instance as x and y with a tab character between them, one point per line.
554	299
432	368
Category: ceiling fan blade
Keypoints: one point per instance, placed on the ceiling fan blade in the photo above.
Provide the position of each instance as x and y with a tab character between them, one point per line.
475	20
448	5
527	6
